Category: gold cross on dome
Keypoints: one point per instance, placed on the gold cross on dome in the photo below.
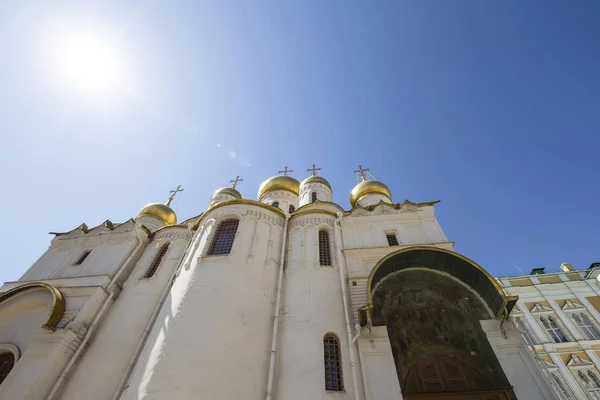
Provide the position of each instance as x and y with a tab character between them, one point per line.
362	171
173	193
314	170
235	181
286	171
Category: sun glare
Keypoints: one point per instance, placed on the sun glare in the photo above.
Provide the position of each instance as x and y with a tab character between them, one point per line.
91	64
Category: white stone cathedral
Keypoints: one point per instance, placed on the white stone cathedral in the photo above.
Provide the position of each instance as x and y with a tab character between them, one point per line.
290	297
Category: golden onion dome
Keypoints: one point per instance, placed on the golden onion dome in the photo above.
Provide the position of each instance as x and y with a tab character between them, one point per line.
228	190
315	178
280	182
366	187
161	211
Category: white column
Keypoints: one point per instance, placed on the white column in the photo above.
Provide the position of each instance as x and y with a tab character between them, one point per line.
535	326
568	377
589	307
517	362
378	368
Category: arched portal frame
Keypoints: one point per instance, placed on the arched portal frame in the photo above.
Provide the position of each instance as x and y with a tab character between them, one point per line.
454	264
58	301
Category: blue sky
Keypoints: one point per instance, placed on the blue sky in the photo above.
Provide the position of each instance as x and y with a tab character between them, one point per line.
491	107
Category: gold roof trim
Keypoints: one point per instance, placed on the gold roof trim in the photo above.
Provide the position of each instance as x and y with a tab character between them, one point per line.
313	211
317	201
58	301
496	285
234	202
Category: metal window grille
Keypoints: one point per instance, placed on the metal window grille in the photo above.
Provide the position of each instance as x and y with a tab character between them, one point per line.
333	364
275	204
222	242
82	257
554	330
313	196
292	209
586	325
7	362
562	390
392	239
157	260
324	250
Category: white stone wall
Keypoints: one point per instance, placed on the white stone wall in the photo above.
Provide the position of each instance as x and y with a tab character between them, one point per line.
213	333
284	197
219	198
371	199
323	193
312	308
105	362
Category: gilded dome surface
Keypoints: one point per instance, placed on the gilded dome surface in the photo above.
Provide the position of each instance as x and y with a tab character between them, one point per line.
161	211
315	178
228	190
280	182
366	187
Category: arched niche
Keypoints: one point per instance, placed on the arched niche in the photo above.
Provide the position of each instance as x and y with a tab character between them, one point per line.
431	302
57	308
449	262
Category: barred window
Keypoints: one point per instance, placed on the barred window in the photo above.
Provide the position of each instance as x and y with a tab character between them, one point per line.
82	257
324	249
392	238
292	209
554	330
275	204
585	324
313	196
222	242
157	260
7	362
333	363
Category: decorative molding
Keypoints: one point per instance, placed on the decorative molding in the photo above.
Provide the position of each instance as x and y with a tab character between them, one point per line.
570	306
260	215
541	309
174	235
312	220
577	362
68	316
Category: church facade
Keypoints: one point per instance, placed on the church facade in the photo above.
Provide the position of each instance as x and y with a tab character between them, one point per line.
291	297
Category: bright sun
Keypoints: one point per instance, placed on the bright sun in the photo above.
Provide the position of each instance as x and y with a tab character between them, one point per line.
91	64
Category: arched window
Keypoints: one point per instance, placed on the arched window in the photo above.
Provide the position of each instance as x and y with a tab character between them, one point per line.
324	249
7	362
590	382
275	204
333	363
585	324
313	197
560	387
554	330
157	260
292	209
222	241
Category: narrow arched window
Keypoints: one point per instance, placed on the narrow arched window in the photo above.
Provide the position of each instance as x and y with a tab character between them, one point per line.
585	324
157	260
275	204
324	249
292	209
7	362
554	330
524	327
333	363
560	386
313	197
222	242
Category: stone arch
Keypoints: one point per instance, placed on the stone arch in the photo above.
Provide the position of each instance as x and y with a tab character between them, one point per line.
450	262
58	301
